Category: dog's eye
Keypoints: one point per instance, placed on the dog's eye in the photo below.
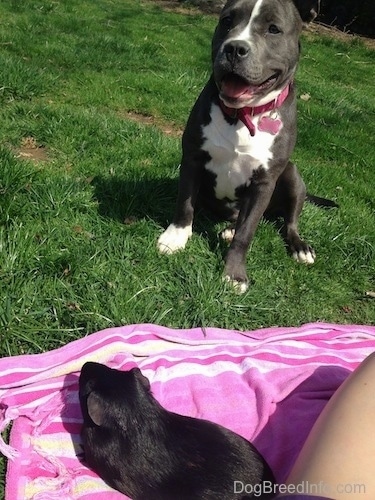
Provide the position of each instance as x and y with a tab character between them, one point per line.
273	29
226	22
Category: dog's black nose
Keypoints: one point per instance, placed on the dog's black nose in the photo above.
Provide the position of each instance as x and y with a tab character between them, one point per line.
236	49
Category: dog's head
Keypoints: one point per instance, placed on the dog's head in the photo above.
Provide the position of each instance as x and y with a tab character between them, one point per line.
255	48
109	397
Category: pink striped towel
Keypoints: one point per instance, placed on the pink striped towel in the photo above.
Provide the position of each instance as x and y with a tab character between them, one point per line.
268	385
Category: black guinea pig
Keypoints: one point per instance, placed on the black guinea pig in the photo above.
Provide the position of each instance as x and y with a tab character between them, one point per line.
149	453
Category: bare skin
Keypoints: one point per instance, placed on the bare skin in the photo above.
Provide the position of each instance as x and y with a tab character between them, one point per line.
339	454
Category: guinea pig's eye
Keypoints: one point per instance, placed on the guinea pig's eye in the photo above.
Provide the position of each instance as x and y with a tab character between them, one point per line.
226	22
273	29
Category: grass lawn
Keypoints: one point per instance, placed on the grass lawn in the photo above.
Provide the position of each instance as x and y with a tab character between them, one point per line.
94	96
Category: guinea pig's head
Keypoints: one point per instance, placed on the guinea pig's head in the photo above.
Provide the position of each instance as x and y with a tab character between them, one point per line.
107	395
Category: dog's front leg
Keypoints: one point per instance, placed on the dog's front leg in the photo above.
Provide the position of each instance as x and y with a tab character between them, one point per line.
179	231
253	206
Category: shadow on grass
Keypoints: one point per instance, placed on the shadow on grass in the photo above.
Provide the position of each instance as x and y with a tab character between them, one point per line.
121	199
128	201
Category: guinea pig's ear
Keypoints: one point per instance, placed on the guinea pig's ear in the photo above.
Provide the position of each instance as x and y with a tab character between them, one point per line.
142	379
308	9
95	408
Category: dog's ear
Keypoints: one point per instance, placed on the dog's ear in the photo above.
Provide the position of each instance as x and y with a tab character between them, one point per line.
308	9
95	408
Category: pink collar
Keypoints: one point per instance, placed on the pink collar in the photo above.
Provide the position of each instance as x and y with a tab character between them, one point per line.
245	114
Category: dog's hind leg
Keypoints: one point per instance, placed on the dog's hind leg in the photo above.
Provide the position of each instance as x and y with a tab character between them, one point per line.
227	234
289	197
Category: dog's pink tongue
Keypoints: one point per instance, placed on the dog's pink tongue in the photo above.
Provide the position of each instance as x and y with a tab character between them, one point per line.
234	87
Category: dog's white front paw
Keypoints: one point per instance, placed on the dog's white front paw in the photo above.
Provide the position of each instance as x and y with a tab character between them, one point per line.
174	238
304	256
239	287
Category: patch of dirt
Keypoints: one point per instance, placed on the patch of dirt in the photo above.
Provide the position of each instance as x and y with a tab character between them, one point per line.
31	150
181	7
169	129
193	6
326	30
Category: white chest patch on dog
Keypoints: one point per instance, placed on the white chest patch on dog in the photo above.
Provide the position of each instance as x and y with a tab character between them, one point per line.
235	154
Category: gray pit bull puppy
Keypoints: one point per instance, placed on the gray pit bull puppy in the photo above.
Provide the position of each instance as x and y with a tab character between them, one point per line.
242	130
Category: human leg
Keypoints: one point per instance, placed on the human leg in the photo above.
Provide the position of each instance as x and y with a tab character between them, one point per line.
338	458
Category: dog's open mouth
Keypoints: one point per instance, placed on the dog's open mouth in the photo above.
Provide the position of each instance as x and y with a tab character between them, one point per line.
234	88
